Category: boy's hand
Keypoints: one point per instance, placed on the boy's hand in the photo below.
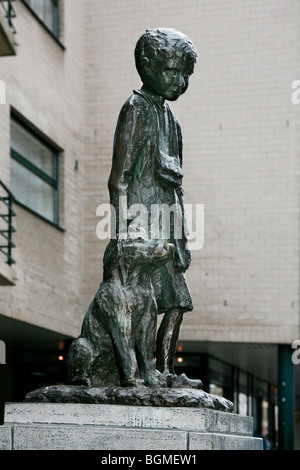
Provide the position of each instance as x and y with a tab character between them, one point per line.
170	170
184	261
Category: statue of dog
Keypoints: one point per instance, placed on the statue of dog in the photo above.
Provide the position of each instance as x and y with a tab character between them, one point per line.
117	340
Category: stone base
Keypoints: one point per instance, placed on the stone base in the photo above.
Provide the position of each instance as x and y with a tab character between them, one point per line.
143	396
81	426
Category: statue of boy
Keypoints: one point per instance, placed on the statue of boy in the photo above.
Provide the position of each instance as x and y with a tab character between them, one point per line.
147	170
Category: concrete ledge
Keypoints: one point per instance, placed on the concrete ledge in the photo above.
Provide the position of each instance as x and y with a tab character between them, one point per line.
5	437
52	437
205	441
73	426
187	419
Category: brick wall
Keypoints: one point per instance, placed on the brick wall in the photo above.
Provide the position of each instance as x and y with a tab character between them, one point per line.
241	154
241	158
45	83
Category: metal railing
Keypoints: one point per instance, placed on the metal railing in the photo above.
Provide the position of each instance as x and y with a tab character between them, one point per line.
9	13
6	226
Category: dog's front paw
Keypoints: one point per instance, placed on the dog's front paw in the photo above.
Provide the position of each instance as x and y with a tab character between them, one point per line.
132	382
157	379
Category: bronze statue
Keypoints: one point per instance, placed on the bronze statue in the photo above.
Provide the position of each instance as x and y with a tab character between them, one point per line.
114	360
143	277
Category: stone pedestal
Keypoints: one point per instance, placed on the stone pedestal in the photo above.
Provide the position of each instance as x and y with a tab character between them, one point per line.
82	426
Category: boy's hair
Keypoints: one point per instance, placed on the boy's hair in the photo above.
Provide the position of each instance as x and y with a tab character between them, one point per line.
158	43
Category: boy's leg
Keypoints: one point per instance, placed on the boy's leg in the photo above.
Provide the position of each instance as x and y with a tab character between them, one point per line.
173	300
167	337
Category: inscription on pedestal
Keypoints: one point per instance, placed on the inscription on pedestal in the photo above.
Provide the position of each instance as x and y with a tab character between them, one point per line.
145	421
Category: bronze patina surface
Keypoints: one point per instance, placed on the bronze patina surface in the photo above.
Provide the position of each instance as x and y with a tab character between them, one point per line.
121	357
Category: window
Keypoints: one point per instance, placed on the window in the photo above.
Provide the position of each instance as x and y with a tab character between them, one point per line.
34	171
48	12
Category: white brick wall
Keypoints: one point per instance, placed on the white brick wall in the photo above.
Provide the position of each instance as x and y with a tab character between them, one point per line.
241	158
241	153
46	85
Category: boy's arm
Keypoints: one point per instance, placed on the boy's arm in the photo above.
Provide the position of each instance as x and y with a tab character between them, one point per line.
180	140
130	138
170	168
186	258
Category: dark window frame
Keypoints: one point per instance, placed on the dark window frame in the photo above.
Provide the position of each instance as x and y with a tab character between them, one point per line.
51	181
55	34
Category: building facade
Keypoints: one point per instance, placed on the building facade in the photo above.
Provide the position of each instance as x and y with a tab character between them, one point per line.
71	71
42	154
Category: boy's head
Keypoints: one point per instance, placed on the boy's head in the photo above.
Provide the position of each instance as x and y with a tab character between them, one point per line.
165	59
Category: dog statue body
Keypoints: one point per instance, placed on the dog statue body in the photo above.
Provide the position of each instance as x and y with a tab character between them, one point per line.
117	340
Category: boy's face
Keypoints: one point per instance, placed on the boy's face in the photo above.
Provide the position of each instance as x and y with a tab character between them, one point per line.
169	79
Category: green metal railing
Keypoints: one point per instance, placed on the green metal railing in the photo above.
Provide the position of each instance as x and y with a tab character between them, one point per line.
9	13
6	229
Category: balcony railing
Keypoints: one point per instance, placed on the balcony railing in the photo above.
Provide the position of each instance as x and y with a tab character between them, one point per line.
6	225
9	12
